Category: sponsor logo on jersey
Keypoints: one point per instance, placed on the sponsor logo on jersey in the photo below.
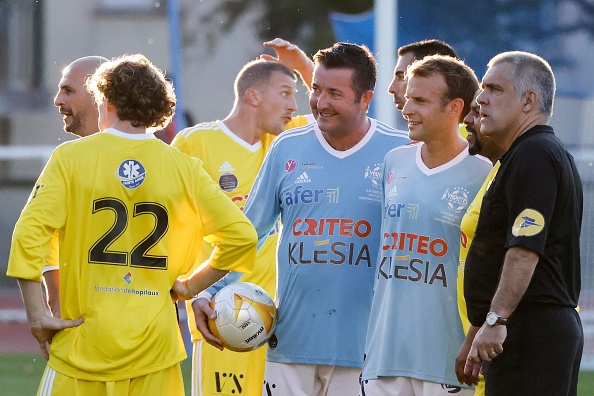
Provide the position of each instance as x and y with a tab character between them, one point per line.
290	165
131	174
302	195
303	178
405	266
226	168
128	278
374	173
528	223
310	165
399	210
228	383
324	251
393	192
228	182
126	290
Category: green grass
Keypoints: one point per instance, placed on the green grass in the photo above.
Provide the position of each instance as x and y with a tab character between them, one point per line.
20	376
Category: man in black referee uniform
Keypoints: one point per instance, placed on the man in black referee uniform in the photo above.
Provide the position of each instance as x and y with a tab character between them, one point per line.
522	276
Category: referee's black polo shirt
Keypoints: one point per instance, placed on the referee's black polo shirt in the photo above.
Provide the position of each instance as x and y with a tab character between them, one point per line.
535	201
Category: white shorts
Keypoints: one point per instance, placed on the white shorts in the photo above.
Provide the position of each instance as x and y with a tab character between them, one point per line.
404	386
284	379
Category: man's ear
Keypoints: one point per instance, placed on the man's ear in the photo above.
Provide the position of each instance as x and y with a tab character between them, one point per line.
366	99
456	106
530	101
252	96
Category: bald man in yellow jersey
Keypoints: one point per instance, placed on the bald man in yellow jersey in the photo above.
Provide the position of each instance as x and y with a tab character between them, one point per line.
132	213
79	112
482	145
232	151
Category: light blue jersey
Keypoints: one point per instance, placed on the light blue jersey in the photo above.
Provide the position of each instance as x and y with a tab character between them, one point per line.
414	327
330	205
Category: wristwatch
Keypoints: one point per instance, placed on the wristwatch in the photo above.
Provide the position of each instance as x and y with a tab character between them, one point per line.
494	319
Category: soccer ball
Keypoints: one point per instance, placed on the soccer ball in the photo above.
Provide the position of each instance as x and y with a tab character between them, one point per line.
246	316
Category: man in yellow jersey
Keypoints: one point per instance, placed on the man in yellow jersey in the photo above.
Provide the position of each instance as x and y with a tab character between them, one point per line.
132	213
483	145
79	112
233	151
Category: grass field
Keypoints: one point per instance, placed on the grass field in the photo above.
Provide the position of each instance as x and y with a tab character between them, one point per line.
20	375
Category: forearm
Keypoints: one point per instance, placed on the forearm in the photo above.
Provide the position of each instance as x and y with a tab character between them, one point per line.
518	268
33	300
306	72
51	280
202	278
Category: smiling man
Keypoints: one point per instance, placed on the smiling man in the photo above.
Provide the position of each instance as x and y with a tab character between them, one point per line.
76	105
324	180
80	117
414	328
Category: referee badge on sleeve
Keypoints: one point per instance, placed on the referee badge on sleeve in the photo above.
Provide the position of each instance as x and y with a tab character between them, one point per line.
528	223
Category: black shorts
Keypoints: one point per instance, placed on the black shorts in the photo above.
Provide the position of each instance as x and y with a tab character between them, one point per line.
541	354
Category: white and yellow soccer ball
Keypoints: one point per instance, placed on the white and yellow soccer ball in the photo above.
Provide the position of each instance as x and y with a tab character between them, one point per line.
246	316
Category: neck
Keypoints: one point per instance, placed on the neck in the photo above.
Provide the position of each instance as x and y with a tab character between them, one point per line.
525	125
126	127
244	125
437	152
349	138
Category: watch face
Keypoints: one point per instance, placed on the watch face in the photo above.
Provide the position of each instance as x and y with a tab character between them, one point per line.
491	318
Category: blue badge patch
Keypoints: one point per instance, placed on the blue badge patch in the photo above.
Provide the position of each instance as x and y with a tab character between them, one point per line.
131	173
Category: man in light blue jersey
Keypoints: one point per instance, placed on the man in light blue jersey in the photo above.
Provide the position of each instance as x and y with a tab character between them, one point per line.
414	329
324	180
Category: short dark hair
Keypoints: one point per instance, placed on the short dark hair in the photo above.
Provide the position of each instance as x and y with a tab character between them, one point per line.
460	79
351	56
423	48
258	72
138	90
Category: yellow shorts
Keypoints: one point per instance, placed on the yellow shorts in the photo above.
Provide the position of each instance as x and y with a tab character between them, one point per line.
164	382
216	373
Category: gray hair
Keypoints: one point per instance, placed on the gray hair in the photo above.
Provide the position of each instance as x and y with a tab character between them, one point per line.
530	73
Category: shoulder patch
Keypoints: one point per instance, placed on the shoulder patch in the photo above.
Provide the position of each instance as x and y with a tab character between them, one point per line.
528	223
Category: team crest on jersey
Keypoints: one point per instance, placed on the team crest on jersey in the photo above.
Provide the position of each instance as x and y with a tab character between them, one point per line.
374	172
390	178
457	198
373	191
131	173
456	201
228	182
